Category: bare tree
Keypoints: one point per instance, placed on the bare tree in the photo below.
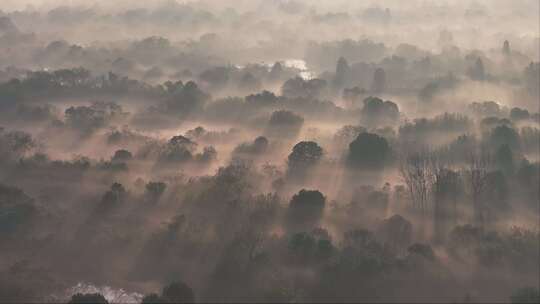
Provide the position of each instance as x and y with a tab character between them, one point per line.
477	171
446	189
416	172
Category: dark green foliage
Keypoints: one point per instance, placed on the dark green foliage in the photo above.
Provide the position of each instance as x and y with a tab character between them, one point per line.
122	156
306	208
421	250
88	119
504	159
178	149
263	99
367	199
477	71
178	292
486	109
304	156
525	295
532	78
343	71
348	133
425	130
154	190
377	112
517	114
88	298
448	189
503	135
208	155
16	209
284	124
515	249
257	147
185	99
300	88
379	81
174	293
152	298
396	233
112	198
306	247
369	151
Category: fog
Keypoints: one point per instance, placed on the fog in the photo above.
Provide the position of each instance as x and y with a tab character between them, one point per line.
270	151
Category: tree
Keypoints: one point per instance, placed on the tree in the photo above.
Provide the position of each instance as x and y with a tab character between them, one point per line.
379	81
377	112
495	196
506	48
421	250
517	114
276	72
85	119
185	99
306	208
154	190
532	78
504	159
308	246
88	298
304	156
152	298
178	149
122	156
112	198
369	151
178	292
284	124
208	155
477	72
396	232
417	173
255	148
16	209
525	295
502	135
342	72
446	193
477	171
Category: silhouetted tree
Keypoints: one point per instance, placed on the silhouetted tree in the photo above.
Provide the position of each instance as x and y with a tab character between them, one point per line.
525	295
369	151
121	156
477	72
396	232
306	209
506	48
447	187
504	159
342	73
304	156
417	173
517	114
284	124
379	81
88	298
152	298
502	135
377	112
477	171
154	190
178	292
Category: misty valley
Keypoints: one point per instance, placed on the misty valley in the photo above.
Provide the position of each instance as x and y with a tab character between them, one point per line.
270	151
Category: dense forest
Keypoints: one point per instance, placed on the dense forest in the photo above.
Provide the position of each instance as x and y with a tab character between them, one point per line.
270	151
